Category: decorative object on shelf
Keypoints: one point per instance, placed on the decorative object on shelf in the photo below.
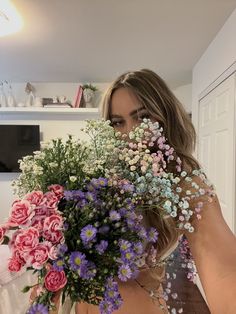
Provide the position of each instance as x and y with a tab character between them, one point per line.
11	102
30	91
3	99
78	98
38	102
88	95
62	99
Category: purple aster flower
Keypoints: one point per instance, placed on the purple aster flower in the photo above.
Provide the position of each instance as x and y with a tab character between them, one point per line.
88	234
111	294
102	182
138	248
131	223
114	215
111	283
88	271
65	225
91	197
124	245
134	270
81	203
105	307
152	235
101	247
59	264
78	194
127	256
104	229
142	233
38	309
68	195
91	187
117	303
123	211
63	249
128	187
124	272
131	215
73	195
77	260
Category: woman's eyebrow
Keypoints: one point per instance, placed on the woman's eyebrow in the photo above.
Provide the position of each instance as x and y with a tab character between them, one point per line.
115	116
136	111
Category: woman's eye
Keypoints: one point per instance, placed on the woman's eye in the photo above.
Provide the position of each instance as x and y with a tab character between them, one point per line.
116	123
144	115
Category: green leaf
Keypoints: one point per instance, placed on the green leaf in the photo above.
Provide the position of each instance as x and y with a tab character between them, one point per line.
26	289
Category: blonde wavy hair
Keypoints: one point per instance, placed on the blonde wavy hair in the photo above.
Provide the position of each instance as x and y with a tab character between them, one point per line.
162	105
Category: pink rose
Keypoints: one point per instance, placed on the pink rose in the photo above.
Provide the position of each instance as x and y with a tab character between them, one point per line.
55	280
52	228
53	253
57	189
2	233
26	240
34	197
18	256
37	223
50	200
14	265
38	256
21	213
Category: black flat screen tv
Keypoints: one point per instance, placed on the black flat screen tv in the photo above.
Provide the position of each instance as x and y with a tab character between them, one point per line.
17	141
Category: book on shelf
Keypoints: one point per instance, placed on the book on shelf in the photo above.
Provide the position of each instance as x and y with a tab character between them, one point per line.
78	98
57	105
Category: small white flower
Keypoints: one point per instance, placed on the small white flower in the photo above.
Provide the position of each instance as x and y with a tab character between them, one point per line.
73	178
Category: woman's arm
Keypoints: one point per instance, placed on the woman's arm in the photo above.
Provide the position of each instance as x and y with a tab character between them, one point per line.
213	246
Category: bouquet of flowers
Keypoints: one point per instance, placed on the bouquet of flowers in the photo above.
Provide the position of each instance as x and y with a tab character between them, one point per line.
79	220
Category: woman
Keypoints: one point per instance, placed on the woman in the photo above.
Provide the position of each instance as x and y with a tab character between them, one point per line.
143	94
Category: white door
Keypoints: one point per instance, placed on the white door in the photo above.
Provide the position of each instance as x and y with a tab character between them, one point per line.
216	150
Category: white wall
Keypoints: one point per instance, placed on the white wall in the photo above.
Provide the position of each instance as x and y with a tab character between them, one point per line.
184	94
218	57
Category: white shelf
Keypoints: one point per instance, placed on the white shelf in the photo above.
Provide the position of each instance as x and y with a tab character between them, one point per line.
30	110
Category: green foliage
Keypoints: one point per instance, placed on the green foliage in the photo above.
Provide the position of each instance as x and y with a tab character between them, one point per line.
89	86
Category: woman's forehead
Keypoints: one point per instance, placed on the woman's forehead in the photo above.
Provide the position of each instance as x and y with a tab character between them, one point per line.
124	101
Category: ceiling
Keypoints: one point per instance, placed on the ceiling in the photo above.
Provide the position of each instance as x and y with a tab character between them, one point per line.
96	40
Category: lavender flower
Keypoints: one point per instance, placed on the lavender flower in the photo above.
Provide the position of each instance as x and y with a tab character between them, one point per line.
88	234
88	271
63	249
123	211
114	215
152	235
127	256
101	247
138	248
142	233
77	260
124	272
106	307
59	264
104	229
124	245
38	309
91	197
103	181
73	195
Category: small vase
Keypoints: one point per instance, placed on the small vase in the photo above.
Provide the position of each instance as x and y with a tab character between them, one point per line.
88	97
